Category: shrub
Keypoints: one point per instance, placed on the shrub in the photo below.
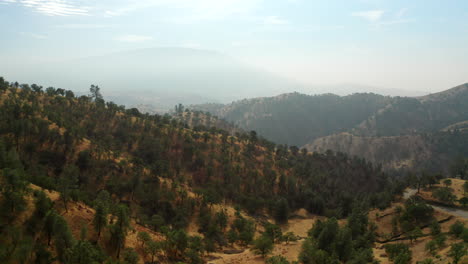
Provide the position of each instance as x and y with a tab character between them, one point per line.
277	260
457	229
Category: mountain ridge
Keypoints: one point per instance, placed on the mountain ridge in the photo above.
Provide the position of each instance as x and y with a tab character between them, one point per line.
293	119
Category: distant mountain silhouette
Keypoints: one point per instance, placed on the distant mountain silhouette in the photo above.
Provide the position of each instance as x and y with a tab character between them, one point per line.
163	77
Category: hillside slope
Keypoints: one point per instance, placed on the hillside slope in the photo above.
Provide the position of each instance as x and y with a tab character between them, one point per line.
425	114
397	132
297	119
425	133
434	152
156	171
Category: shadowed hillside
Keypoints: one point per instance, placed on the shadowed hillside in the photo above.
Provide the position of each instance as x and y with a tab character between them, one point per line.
398	132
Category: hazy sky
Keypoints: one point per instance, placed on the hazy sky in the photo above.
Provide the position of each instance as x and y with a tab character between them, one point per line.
404	44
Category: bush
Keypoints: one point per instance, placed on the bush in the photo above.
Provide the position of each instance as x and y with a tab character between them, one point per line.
398	251
403	258
464	235
440	240
130	256
435	228
457	229
277	260
431	247
457	251
444	195
426	261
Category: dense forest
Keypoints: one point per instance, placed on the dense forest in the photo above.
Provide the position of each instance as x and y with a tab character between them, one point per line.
158	172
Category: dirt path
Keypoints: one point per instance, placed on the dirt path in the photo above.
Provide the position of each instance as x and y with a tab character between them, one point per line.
452	211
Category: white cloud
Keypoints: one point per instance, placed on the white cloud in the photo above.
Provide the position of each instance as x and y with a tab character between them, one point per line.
377	19
194	9
133	38
399	17
371	16
274	20
82	26
52	7
401	13
33	35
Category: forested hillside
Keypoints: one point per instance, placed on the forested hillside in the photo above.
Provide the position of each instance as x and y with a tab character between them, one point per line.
426	114
424	133
433	152
297	119
155	171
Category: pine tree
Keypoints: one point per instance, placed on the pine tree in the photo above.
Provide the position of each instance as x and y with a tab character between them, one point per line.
100	219
119	229
68	181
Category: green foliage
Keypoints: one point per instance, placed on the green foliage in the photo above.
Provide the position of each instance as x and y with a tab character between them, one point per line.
403	258
457	251
447	182
457	228
416	212
333	244
440	240
435	228
157	222
130	256
289	237
242	229
426	261
272	231
83	252
328	234
310	254
431	247
162	146
277	260
143	237
118	230
463	201
176	243
281	211
415	234
444	195
221	219
398	253
103	154
263	245
152	248
100	219
68	182
464	235
63	237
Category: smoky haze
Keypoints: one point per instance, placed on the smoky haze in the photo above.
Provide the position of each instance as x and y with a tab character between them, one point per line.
163	77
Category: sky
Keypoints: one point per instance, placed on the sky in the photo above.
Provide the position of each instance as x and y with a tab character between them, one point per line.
419	45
